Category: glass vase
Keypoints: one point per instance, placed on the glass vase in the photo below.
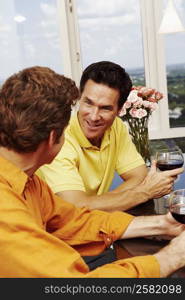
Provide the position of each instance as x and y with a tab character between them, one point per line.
138	129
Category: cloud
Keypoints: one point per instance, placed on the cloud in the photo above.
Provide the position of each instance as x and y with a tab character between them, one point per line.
49	35
104	8
107	13
48	23
5	28
48	9
30	49
108	21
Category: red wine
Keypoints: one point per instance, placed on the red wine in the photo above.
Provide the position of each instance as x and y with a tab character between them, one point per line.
178	217
178	210
169	165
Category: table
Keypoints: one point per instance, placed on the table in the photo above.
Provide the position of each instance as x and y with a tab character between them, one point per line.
149	245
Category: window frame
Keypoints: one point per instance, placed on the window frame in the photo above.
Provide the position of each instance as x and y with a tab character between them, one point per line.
70	39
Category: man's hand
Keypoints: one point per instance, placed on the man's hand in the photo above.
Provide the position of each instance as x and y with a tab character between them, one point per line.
173	228
172	257
158	184
156	225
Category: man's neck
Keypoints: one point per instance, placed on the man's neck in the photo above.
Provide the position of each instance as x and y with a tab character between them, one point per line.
95	142
26	162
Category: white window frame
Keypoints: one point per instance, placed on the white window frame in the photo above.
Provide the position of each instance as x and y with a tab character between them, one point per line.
70	39
155	68
154	59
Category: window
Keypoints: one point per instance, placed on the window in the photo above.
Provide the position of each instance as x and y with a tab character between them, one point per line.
111	30
175	67
51	33
127	32
29	36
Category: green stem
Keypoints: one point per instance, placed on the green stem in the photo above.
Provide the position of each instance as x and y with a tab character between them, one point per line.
138	129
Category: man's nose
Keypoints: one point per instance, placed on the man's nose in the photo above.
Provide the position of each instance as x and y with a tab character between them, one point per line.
95	114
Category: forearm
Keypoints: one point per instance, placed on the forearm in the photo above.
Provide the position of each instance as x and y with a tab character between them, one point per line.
170	258
123	200
146	226
110	201
154	225
132	179
126	185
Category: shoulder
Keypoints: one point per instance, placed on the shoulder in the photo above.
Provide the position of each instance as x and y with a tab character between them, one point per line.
69	150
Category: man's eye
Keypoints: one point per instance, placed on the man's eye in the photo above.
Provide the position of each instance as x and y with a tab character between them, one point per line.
86	102
107	108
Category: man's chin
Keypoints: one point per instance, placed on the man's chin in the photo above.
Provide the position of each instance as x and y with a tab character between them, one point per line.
93	132
92	135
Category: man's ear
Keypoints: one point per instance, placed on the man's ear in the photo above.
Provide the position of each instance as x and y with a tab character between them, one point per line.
52	138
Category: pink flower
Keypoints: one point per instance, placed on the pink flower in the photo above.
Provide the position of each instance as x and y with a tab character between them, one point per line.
153	106
152	99
138	113
127	104
146	104
138	103
133	97
158	96
122	112
141	102
141	113
145	92
133	112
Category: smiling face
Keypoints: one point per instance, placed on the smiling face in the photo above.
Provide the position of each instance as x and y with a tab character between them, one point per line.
97	111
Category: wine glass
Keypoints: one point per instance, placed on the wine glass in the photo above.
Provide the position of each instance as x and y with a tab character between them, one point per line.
169	159
177	205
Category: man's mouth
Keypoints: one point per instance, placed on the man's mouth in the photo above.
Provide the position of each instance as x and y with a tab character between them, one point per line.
93	126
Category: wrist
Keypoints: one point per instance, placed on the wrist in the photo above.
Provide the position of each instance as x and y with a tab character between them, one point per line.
170	259
146	226
142	192
164	227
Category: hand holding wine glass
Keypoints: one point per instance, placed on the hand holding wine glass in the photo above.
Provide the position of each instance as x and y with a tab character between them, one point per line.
177	205
169	159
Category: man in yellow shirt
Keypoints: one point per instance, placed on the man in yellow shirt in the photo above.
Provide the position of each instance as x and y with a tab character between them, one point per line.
97	144
40	234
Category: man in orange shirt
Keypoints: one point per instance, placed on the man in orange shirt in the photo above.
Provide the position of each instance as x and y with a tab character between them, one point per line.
40	234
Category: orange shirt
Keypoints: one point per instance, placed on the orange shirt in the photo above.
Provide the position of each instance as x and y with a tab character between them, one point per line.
44	236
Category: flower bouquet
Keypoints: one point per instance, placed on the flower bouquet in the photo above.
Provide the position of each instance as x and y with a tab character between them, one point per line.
140	104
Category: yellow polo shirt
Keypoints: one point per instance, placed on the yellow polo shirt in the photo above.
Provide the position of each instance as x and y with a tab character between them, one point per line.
82	166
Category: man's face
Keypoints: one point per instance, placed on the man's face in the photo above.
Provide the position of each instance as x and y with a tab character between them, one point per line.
97	111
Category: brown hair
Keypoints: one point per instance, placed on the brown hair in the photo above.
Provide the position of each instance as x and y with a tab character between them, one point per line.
33	102
110	74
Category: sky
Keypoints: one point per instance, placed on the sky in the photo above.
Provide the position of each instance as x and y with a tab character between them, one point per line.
36	41
112	30
109	30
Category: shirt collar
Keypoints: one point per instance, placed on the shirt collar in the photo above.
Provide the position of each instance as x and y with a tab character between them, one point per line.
82	140
15	177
